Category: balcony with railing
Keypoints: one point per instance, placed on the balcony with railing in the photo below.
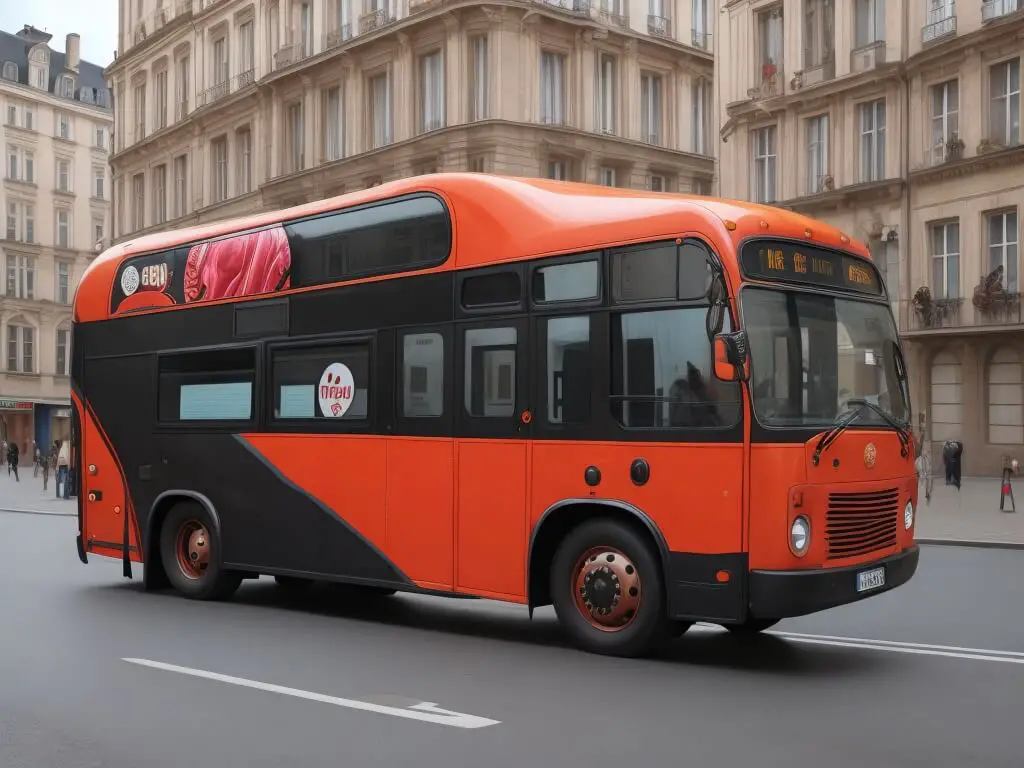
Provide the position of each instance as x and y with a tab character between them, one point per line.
991	307
419	6
769	82
580	8
818	69
246	78
214	93
940	23
659	26
992	10
613	17
381	17
700	39
336	37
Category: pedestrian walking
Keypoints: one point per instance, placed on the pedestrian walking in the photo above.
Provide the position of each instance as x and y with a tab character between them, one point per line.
49	464
12	460
37	457
63	462
952	457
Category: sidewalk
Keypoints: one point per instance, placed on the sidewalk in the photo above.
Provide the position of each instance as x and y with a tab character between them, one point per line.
29	497
969	517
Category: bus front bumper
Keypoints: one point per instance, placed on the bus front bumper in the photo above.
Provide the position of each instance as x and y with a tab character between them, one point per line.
780	594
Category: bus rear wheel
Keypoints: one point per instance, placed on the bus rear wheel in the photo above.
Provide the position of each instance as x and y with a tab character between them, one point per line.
607	590
190	549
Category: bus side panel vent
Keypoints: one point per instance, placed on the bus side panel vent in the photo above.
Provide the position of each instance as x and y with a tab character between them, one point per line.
264	318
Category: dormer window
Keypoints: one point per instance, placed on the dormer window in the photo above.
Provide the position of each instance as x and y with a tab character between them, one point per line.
39	78
66	87
10	71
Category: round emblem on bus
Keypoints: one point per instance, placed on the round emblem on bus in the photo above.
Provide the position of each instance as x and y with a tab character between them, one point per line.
130	281
337	390
869	455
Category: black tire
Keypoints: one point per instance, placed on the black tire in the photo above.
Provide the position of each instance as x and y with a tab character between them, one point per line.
294	583
214	583
649	629
752	626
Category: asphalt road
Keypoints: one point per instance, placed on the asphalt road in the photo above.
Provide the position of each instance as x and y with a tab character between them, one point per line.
939	680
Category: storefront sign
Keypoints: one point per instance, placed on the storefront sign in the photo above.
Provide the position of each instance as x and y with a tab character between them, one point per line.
62	413
15	405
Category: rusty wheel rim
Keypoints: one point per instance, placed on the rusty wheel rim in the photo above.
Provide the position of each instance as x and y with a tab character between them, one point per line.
606	589
193	549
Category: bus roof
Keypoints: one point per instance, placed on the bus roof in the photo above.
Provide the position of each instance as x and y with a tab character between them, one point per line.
500	219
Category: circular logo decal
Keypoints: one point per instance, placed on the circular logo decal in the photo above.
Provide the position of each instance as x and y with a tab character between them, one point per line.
869	455
130	281
337	390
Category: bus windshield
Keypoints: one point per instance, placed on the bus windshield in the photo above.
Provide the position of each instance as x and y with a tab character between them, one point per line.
810	354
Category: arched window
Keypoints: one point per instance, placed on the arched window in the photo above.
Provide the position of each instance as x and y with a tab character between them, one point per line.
10	71
21	346
947	416
1005	398
62	364
66	87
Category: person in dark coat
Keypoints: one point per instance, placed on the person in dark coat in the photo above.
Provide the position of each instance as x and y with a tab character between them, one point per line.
13	453
952	457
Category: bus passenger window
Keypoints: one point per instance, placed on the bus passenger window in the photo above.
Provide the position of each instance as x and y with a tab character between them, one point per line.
207	385
322	382
491	372
569	370
663	373
578	281
491	290
423	375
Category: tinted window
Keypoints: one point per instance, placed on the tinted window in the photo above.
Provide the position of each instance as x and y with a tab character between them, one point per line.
375	239
490	370
567	282
323	382
423	375
569	370
663	373
490	290
209	385
660	271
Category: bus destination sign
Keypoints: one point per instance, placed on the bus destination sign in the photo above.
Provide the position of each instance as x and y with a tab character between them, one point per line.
798	263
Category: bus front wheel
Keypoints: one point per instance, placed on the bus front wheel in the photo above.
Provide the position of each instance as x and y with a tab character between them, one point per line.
607	590
190	549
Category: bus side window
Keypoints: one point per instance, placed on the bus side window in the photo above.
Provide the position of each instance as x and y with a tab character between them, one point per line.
569	370
422	375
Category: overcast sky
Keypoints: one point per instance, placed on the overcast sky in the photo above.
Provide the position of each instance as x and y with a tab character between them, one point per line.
94	20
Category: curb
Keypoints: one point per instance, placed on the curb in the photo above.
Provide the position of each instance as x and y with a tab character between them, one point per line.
975	543
38	512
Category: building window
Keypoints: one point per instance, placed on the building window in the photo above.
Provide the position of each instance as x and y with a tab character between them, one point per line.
99	183
63	282
246	51
139	195
243	147
606	176
99	137
10	71
819	32
299	387
945	117
490	372
30	168
945	252
657	183
770	46
13	163
947	382
607	93
12	114
1004	113
700	96
1004	247
764	164
817	153
479	102
30	223
66	87
12	221
700	35
21	349
140	111
869	22
219	169
160	194
380	110
650	108
181	81
296	138
98	233
120	206
552	88
64	175
161	99
569	370
422	375
21	165
558	170
334	125
21	277
431	92
220	73
28	119
63	361
1006	398
306	29
63	228
872	141
180	185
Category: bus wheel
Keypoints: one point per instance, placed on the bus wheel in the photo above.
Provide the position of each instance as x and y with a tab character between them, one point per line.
752	626
607	590
191	555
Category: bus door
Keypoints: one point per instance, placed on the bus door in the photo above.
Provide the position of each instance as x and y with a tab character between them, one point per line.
493	415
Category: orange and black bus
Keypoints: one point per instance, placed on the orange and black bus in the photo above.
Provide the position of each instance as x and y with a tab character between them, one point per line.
645	409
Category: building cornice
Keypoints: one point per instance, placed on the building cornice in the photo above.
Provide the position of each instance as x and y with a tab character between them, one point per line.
989	34
864	193
28	93
968	166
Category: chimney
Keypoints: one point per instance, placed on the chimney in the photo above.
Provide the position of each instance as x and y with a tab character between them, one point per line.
72	51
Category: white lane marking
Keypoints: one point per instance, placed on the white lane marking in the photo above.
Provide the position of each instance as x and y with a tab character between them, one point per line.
425	711
891	646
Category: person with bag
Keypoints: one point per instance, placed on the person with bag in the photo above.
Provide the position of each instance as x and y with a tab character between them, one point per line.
63	465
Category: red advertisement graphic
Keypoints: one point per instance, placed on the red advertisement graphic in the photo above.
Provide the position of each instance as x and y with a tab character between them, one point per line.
258	262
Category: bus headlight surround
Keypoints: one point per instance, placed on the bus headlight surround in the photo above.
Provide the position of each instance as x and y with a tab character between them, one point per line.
800	536
908	515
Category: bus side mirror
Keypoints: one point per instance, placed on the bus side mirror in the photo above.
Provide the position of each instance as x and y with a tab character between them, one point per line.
731	361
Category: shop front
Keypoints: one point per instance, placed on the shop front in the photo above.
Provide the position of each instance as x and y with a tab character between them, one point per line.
17	424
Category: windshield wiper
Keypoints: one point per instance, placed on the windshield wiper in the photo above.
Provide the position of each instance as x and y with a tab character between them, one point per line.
859	406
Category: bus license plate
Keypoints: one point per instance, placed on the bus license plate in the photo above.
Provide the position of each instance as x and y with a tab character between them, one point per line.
872	579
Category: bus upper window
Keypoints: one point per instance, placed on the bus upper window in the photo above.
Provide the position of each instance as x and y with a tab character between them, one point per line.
491	290
207	385
577	281
376	239
660	271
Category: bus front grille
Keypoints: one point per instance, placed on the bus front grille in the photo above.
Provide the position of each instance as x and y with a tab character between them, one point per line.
859	523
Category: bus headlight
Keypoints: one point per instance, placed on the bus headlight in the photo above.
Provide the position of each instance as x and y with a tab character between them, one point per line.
800	536
908	515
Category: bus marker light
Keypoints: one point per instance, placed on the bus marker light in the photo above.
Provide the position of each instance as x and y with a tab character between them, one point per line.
764	224
807	232
117	510
844	239
92	469
722	577
92	497
731	226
